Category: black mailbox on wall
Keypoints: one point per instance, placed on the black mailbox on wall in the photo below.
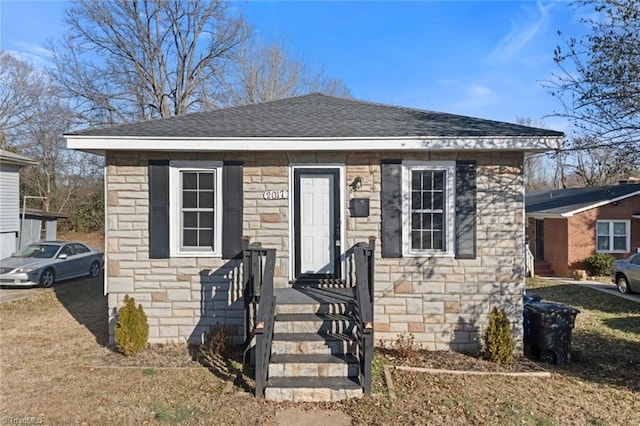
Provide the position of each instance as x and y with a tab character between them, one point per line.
359	207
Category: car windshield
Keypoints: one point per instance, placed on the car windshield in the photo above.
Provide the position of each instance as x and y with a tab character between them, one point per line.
40	251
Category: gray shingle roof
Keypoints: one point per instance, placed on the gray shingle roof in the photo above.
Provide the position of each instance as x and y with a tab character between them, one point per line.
317	115
561	201
11	157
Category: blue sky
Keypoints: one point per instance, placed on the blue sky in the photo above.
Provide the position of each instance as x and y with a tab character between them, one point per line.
476	58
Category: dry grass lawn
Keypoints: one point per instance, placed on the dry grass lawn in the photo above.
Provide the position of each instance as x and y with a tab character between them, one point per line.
56	369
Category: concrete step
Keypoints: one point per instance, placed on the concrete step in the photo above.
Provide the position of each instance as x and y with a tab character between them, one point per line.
543	269
312	389
313	343
314	323
315	308
313	365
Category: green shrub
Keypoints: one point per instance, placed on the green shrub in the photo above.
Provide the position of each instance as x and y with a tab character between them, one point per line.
132	328
599	264
498	339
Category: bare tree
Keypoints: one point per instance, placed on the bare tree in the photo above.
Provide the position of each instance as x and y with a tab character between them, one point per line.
128	60
599	79
32	118
540	166
61	173
269	72
595	164
20	87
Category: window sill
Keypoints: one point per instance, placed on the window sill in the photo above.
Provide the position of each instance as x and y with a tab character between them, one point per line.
612	251
196	254
429	254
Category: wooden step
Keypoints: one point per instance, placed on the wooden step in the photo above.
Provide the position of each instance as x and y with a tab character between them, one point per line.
312	389
319	282
314	300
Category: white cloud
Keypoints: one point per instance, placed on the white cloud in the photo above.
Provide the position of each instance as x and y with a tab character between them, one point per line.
523	30
479	91
34	54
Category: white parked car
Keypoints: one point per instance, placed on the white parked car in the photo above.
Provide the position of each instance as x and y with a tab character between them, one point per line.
47	262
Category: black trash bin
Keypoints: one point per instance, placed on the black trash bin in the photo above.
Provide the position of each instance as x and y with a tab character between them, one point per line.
527	298
550	333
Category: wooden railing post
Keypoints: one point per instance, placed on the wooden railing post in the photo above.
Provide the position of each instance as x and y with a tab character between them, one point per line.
258	269
246	291
371	266
364	265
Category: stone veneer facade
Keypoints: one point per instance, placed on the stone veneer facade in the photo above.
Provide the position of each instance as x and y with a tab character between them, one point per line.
444	302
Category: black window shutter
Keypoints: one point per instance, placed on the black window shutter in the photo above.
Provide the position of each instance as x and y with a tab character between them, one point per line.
465	210
158	209
391	203
232	218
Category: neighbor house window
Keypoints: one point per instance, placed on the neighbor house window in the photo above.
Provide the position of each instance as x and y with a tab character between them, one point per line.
612	236
195	208
428	206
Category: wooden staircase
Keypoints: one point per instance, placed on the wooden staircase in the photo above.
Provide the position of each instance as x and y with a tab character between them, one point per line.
314	348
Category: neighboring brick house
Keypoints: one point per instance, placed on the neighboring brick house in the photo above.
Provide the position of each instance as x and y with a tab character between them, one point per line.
565	226
311	176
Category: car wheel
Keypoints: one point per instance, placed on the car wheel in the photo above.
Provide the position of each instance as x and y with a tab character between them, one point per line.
623	284
94	270
548	357
47	278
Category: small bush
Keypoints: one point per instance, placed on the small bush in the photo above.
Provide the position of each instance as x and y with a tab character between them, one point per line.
404	348
216	341
498	339
132	328
599	264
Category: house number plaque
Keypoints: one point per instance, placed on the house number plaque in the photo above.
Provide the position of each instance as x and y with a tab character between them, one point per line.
282	194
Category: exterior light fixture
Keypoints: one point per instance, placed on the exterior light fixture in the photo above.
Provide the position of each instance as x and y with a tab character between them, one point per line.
356	184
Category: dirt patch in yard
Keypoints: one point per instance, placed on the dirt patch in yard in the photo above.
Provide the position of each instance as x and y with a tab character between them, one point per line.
448	360
55	367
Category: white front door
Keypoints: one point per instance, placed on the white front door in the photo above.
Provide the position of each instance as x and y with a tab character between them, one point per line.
316	222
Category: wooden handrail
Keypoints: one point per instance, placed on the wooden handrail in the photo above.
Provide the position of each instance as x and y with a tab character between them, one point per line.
364	267
258	271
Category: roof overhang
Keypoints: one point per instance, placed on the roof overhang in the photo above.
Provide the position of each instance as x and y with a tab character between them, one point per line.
100	145
552	215
545	215
17	160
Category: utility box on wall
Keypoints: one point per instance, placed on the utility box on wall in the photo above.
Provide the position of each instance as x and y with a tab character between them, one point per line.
359	207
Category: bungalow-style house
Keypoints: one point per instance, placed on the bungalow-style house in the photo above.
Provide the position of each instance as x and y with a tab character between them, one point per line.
565	226
10	164
437	198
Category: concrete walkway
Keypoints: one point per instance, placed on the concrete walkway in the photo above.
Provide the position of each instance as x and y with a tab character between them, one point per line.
605	288
8	294
312	417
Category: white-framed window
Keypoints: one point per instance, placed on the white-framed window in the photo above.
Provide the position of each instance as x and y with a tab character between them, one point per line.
613	236
428	205
195	199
